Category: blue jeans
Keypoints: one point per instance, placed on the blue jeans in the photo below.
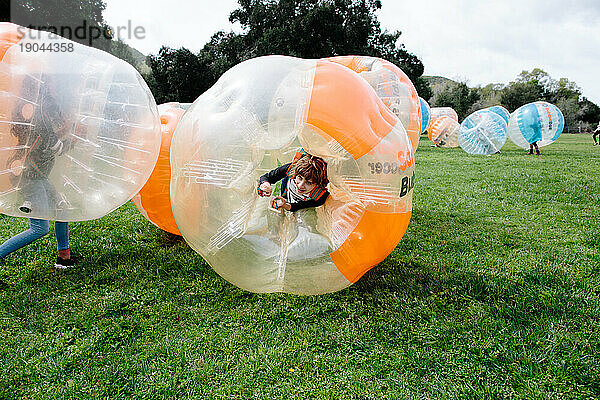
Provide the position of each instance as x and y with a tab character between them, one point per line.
39	228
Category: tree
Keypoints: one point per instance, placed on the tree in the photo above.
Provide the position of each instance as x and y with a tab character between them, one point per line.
179	75
4	10
588	112
517	94
458	96
528	87
538	85
536	75
223	51
489	95
78	20
307	29
316	29
119	49
570	109
563	89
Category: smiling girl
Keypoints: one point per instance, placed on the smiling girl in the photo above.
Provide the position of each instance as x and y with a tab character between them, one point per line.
302	186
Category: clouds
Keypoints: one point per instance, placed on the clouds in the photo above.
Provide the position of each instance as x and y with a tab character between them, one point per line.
176	24
489	42
481	41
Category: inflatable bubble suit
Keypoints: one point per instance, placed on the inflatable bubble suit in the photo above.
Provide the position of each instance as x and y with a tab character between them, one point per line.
257	115
539	122
501	111
444	132
425	114
79	129
393	87
483	132
154	200
437	112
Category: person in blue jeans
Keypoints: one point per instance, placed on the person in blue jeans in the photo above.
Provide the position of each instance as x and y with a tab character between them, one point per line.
38	130
39	228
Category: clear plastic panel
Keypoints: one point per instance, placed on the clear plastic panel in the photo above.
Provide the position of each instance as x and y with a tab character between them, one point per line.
501	111
438	112
483	132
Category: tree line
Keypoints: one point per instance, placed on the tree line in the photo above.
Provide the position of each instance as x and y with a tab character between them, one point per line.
305	29
298	28
529	86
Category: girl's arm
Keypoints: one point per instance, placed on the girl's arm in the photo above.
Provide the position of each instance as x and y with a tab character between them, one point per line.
275	175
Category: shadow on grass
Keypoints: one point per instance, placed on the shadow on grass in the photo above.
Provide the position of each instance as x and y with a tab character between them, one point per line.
458	269
167	239
118	267
521	300
435	264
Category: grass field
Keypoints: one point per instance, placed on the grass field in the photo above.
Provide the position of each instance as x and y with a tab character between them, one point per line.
492	293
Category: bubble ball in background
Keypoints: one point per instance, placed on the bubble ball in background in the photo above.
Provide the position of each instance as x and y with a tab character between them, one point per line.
255	118
393	87
154	200
425	114
483	132
79	128
539	122
501	111
444	132
437	112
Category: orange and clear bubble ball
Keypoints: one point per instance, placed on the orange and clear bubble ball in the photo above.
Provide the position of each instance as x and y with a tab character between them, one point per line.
80	132
254	119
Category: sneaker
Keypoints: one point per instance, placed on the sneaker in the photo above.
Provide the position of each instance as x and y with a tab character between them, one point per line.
62	263
25	207
529	152
537	152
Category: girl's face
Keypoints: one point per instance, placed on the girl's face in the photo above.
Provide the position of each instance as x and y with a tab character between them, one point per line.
304	186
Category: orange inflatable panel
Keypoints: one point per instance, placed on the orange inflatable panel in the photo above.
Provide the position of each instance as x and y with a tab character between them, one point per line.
392	86
154	201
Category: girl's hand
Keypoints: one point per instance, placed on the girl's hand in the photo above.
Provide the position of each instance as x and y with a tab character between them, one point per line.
265	189
279	202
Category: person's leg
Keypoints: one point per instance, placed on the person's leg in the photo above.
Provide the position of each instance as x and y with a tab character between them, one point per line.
38	228
64	259
530	149
537	150
61	231
595	137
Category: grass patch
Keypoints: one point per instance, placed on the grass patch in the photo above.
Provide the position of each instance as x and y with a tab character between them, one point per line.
492	293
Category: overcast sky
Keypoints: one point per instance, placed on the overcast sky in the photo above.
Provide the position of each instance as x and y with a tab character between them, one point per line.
476	41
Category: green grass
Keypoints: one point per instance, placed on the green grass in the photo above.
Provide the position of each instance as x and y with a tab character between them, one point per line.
492	293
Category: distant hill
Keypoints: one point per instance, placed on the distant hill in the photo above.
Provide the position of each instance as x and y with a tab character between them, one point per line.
438	83
436	80
138	55
130	54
